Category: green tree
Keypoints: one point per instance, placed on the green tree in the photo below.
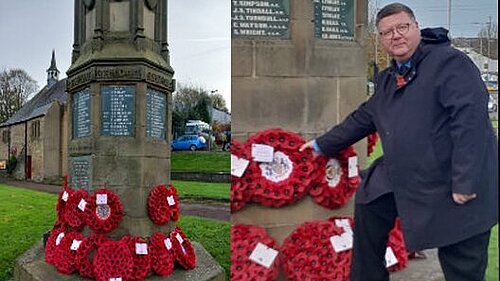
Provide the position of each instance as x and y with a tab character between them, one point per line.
190	103
16	86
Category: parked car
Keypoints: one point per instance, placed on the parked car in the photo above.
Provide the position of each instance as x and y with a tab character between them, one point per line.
189	142
492	104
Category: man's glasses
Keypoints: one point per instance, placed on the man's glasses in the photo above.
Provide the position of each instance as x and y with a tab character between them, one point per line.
402	29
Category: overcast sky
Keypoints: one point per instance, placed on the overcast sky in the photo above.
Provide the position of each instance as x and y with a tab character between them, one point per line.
199	35
199	40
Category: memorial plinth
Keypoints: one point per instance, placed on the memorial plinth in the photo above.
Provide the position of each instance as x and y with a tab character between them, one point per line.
119	112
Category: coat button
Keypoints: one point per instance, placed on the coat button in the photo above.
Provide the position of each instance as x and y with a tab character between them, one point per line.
387	133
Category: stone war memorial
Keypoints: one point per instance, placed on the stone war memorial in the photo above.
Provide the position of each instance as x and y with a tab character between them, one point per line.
117	206
298	68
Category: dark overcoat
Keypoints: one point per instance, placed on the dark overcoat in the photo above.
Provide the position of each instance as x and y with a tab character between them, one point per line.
437	139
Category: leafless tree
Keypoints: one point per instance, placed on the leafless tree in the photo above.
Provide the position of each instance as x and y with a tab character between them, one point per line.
16	86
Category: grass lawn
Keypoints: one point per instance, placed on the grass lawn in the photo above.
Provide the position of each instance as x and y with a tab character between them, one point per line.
201	161
202	190
25	215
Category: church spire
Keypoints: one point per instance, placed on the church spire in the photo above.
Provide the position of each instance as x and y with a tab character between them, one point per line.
52	72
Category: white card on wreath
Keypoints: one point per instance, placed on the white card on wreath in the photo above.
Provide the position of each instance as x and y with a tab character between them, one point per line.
342	242
171	200
344	224
238	166
59	238
263	255
101	199
115	279
75	244
168	243
82	205
179	238
65	196
352	163
390	257
262	153
141	248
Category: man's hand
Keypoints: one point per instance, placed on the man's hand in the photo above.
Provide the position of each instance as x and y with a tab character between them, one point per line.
308	144
460	198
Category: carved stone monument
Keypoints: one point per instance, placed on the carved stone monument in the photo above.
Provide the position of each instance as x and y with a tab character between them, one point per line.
120	88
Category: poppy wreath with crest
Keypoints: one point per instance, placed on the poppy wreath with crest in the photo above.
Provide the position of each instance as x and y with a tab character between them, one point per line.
331	187
160	211
85	254
106	217
307	253
62	200
64	257
183	249
397	243
141	261
371	142
50	246
113	260
286	179
244	239
162	254
73	215
241	187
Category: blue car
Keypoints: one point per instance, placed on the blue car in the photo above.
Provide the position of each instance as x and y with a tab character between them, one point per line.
189	142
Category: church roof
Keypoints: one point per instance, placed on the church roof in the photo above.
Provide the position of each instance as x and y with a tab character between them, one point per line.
39	104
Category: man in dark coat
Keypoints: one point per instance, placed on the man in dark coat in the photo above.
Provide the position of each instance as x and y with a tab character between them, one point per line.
439	169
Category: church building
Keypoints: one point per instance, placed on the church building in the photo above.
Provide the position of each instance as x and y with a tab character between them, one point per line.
37	133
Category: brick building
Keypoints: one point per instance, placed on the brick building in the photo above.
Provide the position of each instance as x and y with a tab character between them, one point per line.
38	131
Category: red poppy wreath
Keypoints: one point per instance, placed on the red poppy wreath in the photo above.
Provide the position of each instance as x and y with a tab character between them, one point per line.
371	142
54	240
85	254
183	249
65	252
104	211
241	187
252	254
285	179
162	255
74	212
397	244
113	260
307	254
62	202
163	204
141	257
332	187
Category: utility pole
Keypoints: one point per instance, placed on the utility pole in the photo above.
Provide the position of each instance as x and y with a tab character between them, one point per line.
489	50
449	17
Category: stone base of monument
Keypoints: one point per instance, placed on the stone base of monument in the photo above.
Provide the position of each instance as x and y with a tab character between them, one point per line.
31	266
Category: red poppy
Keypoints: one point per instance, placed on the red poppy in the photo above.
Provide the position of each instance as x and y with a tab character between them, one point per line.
163	204
162	256
104	211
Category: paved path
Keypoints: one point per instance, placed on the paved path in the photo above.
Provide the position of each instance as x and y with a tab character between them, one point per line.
218	211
